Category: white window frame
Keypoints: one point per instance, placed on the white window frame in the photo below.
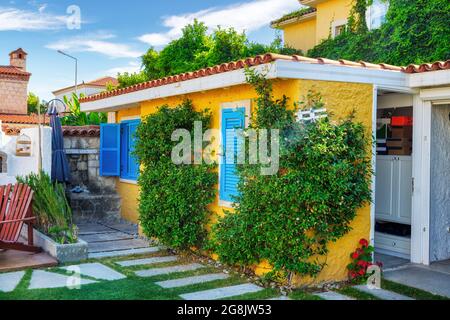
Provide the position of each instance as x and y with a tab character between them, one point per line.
336	24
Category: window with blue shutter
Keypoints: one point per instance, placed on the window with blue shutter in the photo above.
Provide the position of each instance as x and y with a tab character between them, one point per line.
232	119
110	150
129	166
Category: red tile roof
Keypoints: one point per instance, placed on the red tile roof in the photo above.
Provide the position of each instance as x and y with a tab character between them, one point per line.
427	67
23	119
225	67
84	131
103	81
10	70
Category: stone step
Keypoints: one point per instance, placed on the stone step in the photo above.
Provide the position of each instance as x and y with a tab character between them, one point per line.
9	281
117	245
49	280
222	293
102	237
96	270
148	261
175	283
333	296
382	294
169	270
122	253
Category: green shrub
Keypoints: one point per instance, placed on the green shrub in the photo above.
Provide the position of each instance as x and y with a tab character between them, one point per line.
78	118
289	218
50	205
173	198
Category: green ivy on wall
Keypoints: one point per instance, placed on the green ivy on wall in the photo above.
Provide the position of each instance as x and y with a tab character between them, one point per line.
289	218
415	31
173	198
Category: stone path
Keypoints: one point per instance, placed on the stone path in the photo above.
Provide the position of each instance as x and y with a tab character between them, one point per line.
332	296
435	280
9	281
97	271
169	270
383	294
149	261
50	280
221	293
192	280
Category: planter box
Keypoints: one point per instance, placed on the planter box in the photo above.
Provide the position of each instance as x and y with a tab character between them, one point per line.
62	252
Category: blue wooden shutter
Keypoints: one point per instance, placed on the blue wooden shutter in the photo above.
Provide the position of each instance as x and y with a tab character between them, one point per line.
133	165
109	150
231	119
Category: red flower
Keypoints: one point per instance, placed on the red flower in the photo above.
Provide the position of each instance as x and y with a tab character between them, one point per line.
364	242
355	255
362	272
363	263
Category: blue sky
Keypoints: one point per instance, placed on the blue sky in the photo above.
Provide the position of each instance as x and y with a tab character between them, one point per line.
113	34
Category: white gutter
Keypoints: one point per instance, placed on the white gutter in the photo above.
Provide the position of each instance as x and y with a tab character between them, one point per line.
278	69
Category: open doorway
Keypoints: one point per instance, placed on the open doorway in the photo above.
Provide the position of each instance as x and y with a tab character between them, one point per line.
394	182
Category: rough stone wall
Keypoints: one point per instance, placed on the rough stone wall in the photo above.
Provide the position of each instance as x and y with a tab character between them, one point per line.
440	184
13	95
83	155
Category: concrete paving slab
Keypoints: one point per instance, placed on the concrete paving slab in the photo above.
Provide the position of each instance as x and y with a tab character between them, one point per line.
9	281
93	228
333	296
390	262
96	270
221	293
102	237
382	294
443	266
429	280
148	261
117	245
48	280
175	283
122	253
169	270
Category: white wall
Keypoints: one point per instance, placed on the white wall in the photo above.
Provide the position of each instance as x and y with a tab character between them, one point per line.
21	166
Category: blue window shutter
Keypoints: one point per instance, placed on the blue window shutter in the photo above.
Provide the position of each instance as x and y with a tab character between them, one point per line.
123	150
133	165
109	150
231	119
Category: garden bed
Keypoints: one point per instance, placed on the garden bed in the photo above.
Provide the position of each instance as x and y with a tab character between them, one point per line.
62	252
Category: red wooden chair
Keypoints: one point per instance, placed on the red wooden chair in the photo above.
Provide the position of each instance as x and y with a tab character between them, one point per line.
15	211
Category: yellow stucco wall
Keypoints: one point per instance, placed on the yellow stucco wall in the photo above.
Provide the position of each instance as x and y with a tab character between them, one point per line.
340	99
301	35
304	35
330	11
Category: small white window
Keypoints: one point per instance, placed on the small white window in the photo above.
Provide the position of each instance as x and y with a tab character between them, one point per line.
338	27
376	14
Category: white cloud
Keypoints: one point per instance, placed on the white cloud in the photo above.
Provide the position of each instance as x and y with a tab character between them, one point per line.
12	19
248	16
97	43
132	67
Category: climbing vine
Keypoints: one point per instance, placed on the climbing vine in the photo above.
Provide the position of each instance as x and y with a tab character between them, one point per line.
289	218
415	31
173	198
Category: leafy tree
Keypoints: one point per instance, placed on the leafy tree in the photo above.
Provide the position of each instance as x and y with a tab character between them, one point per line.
196	49
78	118
33	103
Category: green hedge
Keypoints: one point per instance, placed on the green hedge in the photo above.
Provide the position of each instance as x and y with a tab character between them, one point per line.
173	198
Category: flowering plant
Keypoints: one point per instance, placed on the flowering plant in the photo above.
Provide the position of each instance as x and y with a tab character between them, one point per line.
361	261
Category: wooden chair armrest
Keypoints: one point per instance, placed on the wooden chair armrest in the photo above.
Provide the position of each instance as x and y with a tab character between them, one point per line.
20	220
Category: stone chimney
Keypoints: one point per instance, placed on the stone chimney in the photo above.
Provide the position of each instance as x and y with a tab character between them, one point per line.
18	59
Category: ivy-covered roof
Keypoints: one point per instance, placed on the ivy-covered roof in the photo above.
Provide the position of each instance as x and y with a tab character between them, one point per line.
292	15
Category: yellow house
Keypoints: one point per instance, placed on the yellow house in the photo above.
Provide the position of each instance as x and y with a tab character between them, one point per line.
320	19
368	88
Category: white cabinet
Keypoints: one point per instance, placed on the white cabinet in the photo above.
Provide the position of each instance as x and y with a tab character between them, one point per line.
393	189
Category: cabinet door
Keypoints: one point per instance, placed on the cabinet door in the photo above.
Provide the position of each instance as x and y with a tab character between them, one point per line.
404	193
384	188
